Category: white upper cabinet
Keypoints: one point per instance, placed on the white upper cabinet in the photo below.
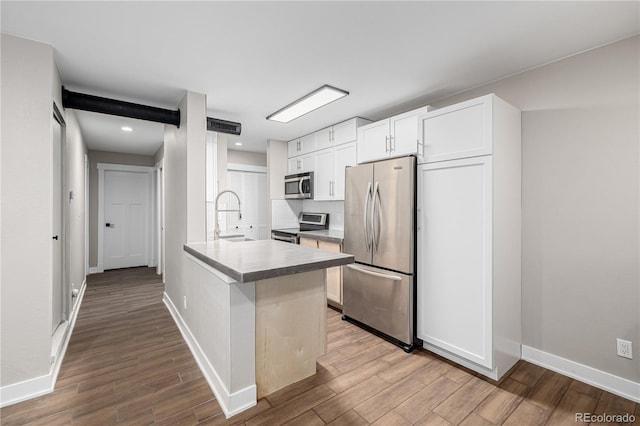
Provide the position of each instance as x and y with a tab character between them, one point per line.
302	163
329	175
326	152
324	138
391	137
345	156
323	177
459	131
294	148
301	146
338	134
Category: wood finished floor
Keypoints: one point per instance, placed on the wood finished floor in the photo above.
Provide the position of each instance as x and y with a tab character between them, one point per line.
127	364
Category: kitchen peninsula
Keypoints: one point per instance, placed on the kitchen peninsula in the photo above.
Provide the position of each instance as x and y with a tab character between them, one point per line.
254	315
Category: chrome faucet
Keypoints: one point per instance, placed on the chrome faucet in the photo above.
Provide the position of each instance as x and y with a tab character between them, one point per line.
216	232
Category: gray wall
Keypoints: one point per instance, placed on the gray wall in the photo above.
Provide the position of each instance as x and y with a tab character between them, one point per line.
96	157
76	150
580	199
27	82
246	157
184	171
30	83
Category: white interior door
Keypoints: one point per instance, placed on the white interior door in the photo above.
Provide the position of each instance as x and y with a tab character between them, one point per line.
126	219
56	182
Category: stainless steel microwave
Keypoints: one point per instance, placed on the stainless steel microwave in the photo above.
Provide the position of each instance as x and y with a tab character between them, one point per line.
298	186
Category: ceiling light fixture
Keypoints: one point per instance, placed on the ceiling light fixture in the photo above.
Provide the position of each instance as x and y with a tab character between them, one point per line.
314	100
126	129
238	143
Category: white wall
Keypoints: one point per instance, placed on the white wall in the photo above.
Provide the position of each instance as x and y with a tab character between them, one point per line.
30	85
580	201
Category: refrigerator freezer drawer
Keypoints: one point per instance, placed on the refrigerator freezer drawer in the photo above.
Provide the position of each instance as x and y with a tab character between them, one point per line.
381	299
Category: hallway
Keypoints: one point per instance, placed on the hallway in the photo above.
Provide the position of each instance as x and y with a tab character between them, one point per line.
127	364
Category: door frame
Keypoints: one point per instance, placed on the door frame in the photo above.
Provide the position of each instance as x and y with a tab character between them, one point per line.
104	167
64	214
159	217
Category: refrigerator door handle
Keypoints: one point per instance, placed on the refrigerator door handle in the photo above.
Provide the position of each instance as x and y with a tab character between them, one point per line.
375	274
367	238
375	224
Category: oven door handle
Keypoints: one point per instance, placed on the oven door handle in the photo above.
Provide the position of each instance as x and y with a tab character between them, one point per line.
285	239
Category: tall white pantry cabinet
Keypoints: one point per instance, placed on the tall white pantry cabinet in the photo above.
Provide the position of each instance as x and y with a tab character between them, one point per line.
469	234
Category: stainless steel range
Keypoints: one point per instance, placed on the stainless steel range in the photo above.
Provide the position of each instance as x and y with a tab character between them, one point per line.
307	222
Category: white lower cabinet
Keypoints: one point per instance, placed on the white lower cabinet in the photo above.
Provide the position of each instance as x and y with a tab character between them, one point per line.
469	244
334	275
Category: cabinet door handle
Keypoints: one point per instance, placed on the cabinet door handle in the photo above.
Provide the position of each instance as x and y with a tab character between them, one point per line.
386	144
418	145
392	143
55	237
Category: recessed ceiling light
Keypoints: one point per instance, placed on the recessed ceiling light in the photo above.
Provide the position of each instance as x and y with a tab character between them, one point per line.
126	129
314	100
238	143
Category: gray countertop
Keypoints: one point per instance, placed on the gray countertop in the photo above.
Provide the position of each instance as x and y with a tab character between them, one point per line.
330	235
247	261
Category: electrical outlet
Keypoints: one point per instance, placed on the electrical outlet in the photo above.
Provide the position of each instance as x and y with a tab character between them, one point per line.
624	348
184	302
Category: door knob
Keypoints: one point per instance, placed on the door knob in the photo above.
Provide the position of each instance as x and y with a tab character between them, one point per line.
110	225
55	237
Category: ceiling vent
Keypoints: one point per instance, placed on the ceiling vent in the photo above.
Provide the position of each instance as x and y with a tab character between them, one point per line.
223	126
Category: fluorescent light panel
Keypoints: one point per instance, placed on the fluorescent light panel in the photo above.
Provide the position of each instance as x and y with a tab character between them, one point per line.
314	100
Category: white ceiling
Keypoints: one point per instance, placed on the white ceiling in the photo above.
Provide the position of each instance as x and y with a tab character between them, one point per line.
253	58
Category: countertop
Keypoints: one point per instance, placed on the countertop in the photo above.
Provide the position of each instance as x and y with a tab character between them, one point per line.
330	235
247	261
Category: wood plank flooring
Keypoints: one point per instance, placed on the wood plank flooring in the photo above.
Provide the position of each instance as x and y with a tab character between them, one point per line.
128	364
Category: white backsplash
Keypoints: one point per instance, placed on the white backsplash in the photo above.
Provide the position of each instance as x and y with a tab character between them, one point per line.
284	213
334	208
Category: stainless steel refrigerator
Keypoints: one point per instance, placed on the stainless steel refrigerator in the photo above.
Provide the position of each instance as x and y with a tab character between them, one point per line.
379	230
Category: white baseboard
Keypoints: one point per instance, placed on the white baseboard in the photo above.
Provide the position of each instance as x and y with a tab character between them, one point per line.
94	270
598	378
231	404
32	388
42	385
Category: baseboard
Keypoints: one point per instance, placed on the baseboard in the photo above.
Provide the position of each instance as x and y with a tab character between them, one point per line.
42	385
231	404
94	270
598	378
